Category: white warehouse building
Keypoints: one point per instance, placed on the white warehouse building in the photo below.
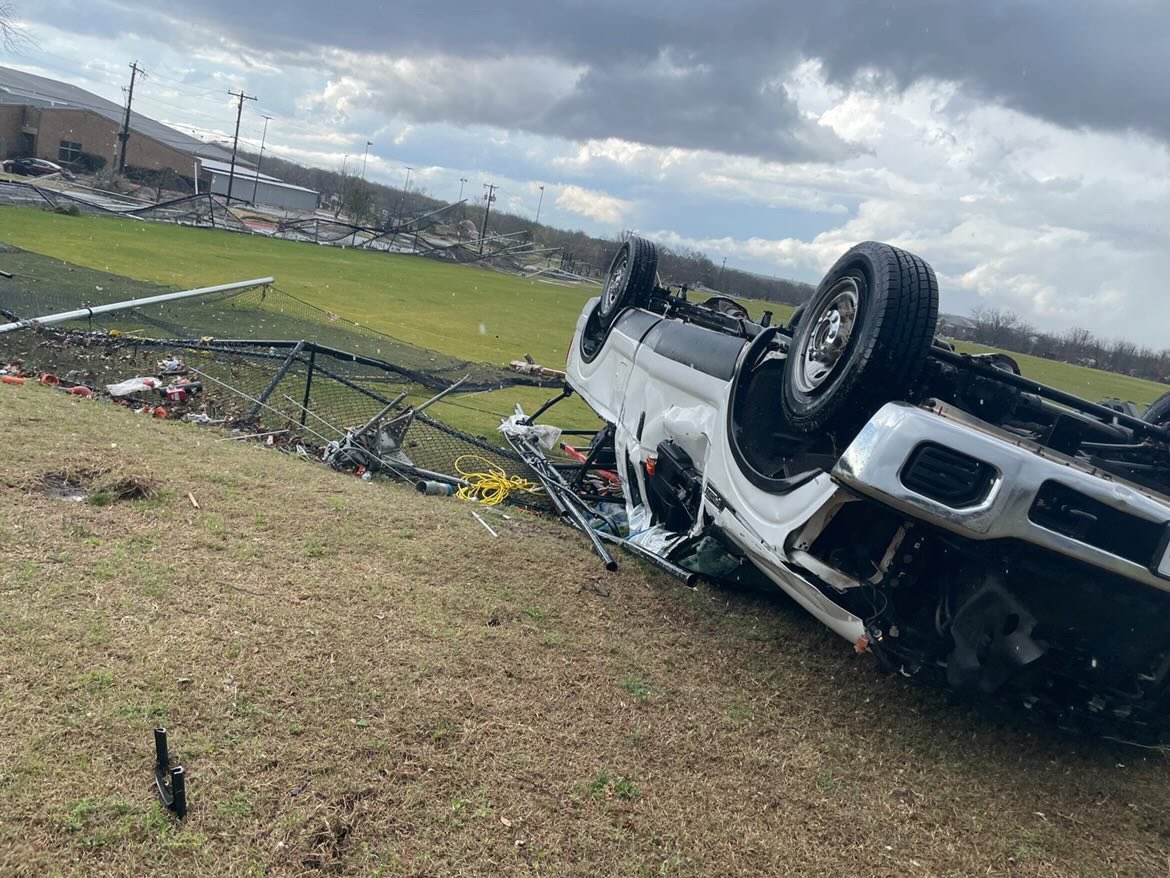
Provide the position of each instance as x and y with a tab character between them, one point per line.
255	188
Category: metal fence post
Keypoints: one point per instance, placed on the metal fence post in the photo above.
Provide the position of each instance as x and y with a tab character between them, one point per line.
308	386
276	379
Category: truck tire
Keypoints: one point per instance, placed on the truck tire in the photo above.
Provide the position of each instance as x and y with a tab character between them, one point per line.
862	340
1159	411
631	279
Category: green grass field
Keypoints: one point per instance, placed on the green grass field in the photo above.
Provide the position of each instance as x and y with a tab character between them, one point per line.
469	312
1092	384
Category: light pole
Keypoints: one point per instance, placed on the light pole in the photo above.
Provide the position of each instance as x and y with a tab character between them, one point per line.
260	161
538	204
369	143
405	188
488	198
462	180
721	267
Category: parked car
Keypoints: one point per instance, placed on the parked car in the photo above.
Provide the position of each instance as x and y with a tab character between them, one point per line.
30	167
960	522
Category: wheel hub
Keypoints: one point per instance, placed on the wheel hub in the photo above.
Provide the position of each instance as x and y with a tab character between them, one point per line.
832	327
613	285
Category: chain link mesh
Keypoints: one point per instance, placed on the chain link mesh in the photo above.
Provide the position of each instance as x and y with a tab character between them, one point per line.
242	347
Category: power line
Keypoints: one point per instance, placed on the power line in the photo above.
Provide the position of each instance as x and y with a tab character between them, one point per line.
183	86
236	141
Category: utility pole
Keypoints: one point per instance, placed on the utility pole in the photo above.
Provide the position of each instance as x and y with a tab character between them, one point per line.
721	267
236	140
124	134
487	208
369	143
538	204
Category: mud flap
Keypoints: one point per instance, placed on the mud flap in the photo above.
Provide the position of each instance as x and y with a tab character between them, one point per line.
992	632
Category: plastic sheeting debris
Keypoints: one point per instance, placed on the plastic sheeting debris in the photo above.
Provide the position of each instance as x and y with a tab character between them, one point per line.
132	385
545	435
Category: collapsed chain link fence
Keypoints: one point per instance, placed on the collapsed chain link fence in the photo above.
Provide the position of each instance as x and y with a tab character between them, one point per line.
264	358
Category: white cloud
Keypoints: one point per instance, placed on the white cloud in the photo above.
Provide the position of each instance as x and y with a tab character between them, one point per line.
1062	226
595	205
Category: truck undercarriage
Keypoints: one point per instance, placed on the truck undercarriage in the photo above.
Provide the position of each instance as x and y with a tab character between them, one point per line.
966	525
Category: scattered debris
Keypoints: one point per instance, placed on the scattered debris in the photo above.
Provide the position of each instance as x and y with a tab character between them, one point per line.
54	485
132	385
170	782
171	366
530	368
434	489
517	431
268	434
487	526
194	502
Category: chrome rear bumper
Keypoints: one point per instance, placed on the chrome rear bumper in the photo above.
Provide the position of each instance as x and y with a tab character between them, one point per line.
874	463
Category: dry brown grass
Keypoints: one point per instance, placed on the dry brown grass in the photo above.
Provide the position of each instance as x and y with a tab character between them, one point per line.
362	681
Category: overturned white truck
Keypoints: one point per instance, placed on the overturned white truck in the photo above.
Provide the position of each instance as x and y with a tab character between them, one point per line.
961	522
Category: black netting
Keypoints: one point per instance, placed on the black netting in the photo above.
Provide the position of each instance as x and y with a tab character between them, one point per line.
265	359
43	286
315	395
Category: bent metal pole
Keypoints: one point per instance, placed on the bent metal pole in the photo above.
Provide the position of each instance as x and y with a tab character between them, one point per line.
83	313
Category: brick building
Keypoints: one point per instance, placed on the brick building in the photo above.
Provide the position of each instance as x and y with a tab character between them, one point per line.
60	122
63	123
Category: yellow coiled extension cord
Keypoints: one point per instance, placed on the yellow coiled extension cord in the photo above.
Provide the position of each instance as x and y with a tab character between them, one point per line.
489	485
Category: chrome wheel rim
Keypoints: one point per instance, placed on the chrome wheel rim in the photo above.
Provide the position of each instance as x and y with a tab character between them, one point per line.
832	326
617	273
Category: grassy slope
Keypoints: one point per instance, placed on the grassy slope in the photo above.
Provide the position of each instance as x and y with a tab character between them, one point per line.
418	698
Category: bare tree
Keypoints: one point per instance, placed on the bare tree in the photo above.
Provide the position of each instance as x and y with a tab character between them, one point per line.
1076	343
1123	356
12	36
357	198
995	326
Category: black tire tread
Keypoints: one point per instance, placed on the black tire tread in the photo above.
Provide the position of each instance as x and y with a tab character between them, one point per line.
1159	410
894	352
644	260
641	274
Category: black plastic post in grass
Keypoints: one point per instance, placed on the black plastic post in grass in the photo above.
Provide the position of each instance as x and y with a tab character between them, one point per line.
174	794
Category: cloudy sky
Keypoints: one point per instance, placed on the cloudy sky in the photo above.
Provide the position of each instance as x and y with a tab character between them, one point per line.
1020	147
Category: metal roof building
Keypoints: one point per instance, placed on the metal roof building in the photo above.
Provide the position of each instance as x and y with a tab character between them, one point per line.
63	123
256	188
20	89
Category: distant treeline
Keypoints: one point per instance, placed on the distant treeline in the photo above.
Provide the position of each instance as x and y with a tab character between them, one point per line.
376	203
997	327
